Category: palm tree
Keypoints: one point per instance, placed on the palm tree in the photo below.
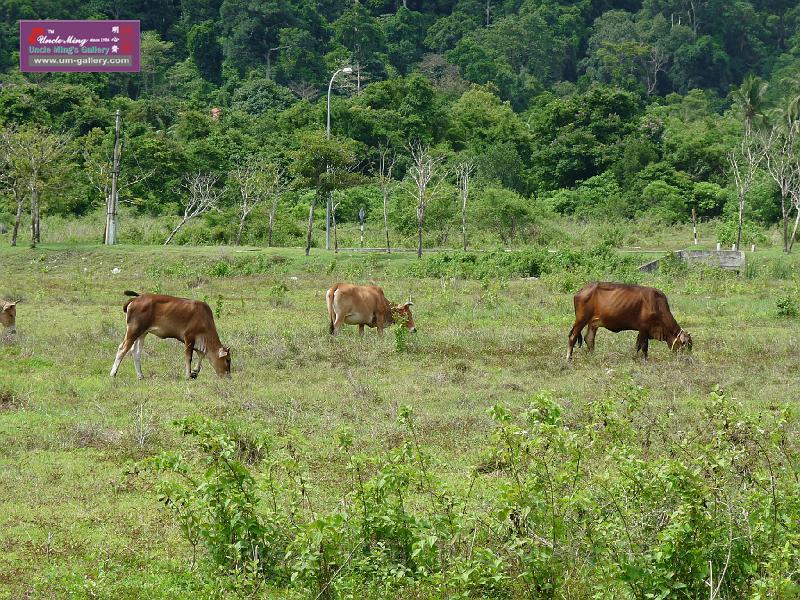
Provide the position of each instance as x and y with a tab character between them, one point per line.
749	99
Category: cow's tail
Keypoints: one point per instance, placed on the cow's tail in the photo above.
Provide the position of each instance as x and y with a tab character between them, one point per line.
128	293
331	314
579	341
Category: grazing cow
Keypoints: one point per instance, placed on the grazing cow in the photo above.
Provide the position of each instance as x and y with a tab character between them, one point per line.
188	321
365	305
620	307
8	316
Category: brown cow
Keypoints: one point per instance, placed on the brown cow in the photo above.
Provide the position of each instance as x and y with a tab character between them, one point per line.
620	307
8	316
365	305
188	321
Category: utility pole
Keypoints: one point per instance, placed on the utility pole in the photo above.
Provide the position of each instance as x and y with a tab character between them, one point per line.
112	201
329	200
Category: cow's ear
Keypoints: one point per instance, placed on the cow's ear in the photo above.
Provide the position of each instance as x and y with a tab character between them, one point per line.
223	352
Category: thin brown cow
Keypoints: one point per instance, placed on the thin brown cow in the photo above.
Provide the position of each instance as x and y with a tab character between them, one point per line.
8	316
188	321
365	305
620	307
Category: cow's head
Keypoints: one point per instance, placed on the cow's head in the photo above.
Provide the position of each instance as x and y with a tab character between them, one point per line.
222	361
402	314
683	340
8	316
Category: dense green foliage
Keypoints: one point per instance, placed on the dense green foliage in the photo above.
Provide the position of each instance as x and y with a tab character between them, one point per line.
609	109
613	503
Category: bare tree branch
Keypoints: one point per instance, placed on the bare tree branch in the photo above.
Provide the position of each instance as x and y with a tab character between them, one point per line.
202	197
424	174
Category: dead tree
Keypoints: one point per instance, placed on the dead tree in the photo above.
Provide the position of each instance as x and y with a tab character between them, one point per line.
795	196
387	160
304	90
744	161
781	163
252	181
202	196
426	180
463	174
278	188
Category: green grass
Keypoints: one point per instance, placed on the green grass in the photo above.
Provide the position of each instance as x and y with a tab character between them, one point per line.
76	522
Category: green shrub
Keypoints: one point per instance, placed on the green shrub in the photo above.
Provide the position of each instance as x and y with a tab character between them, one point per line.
787	306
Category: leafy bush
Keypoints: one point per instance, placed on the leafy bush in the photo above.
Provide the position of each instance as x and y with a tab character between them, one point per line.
787	306
618	500
751	233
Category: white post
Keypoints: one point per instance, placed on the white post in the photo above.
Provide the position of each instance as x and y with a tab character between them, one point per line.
719	246
752	247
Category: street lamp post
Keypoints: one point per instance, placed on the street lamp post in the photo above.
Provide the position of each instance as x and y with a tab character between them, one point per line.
346	71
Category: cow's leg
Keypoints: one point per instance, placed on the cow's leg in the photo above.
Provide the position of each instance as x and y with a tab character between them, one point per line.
131	335
590	333
200	358
379	324
188	353
642	343
137	356
574	336
361	330
337	324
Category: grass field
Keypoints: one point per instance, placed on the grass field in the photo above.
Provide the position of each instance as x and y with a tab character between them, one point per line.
74	521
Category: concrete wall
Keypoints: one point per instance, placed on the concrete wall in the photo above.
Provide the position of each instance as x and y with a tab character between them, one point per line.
732	260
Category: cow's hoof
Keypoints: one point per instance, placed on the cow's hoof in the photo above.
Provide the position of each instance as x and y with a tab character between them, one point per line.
193	375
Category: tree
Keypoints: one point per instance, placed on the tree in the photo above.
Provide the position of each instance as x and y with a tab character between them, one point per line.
13	173
201	196
324	165
363	37
749	100
463	174
781	162
405	36
386	162
424	174
744	160
205	50
155	60
278	187
250	181
30	157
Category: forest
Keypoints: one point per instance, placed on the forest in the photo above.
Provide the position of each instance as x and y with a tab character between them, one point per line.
525	110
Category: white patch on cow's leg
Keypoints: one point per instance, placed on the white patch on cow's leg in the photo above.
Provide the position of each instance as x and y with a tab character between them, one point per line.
196	372
337	324
122	351
137	357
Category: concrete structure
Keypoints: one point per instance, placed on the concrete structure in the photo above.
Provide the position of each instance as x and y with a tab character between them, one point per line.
730	260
